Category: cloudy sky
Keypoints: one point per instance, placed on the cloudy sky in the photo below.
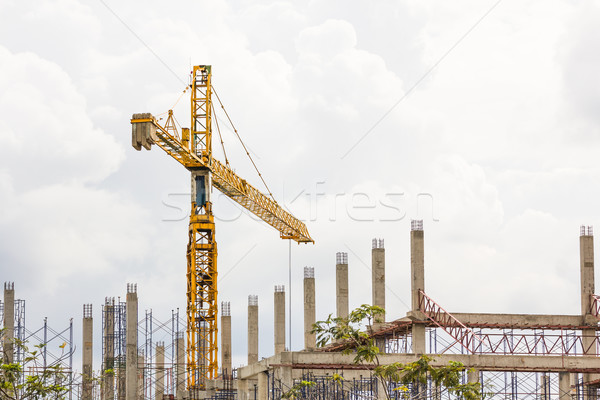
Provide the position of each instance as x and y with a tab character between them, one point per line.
479	117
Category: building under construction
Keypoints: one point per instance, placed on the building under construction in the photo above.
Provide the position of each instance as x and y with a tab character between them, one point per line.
156	358
516	356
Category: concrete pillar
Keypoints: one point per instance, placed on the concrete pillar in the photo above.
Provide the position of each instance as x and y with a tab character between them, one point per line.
287	381
472	375
417	262
564	386
309	308
378	273
226	338
108	384
9	322
180	366
586	261
140	377
160	371
87	353
242	389
252	329
131	341
417	272
341	285
263	386
279	300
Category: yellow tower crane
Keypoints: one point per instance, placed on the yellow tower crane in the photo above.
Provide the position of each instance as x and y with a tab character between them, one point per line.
193	150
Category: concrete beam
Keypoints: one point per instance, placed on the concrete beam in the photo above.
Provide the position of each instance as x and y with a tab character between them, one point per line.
520	321
481	362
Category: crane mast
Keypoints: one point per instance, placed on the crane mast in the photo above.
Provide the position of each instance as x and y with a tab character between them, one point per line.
202	309
193	149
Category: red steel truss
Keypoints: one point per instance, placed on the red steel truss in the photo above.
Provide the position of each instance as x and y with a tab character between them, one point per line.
509	343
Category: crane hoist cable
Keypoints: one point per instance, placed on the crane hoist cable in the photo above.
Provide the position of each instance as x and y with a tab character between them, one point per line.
243	145
220	137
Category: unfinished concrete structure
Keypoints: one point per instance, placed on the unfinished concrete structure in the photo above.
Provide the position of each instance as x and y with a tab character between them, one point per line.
309	308
341	285
226	338
87	356
279	320
524	356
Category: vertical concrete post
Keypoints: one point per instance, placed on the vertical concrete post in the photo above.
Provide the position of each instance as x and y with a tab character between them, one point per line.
263	383
309	308
472	375
180	367
131	341
279	300
108	384
252	329
9	322
341	285
140	377
160	371
564	386
417	272
586	261
242	389
378	273
225	338
87	353
417	262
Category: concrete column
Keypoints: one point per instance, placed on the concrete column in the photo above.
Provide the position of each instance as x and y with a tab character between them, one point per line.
87	353
242	389
309	308
472	375
140	377
586	261
252	329
417	272
160	371
378	273
108	384
417	262
131	340
341	285
279	300
180	366
286	378
263	383
226	338
564	386
9	322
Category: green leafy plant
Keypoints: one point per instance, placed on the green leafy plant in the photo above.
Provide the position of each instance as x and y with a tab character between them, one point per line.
356	331
31	379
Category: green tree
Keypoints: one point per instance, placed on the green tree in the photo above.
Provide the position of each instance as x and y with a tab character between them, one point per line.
31	380
357	332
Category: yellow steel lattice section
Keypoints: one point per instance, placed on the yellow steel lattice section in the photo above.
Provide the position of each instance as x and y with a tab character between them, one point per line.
228	182
201	112
202	299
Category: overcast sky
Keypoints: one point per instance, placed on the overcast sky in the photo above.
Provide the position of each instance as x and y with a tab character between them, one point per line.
479	117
